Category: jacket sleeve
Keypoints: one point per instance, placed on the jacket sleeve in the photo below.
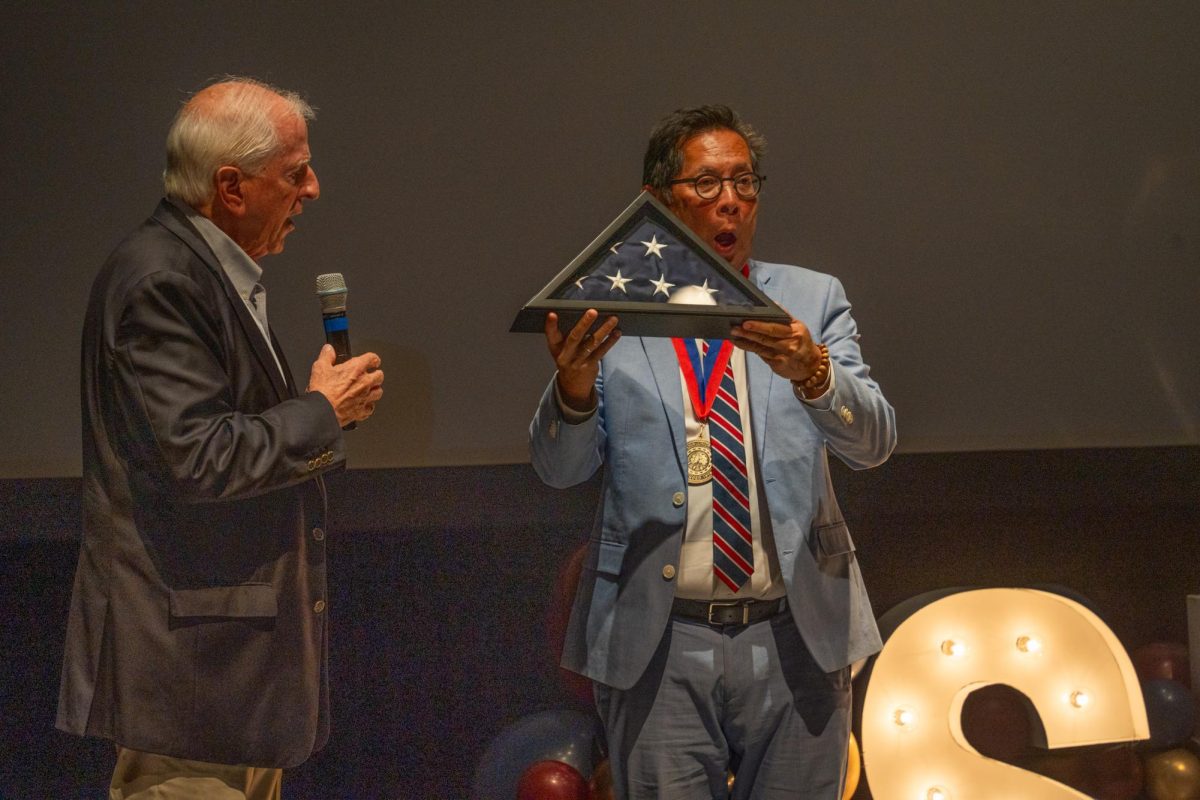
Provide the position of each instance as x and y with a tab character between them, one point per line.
175	403
564	454
858	422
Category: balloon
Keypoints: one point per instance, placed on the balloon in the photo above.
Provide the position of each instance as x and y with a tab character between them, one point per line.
558	614
995	720
1068	767
551	780
1116	773
853	770
1171	711
1173	775
600	787
1162	661
572	737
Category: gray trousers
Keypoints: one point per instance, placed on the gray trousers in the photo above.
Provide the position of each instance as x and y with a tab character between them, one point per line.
748	701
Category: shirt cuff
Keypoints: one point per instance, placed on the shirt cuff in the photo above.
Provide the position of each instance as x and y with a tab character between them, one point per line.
822	402
570	415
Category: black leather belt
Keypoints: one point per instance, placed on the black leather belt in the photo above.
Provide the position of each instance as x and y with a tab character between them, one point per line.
722	613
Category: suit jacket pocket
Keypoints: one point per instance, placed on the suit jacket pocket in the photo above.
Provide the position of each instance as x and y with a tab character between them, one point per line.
833	540
246	600
609	557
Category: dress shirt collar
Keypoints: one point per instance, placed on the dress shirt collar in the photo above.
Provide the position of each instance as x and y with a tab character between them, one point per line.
242	270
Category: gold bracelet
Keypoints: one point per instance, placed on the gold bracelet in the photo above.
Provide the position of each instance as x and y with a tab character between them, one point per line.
821	376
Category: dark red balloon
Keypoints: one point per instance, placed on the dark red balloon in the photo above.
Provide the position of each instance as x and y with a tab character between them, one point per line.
1117	773
600	787
1067	767
996	722
1162	661
558	614
551	780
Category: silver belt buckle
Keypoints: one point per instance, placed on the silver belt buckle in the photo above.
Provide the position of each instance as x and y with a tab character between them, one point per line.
729	604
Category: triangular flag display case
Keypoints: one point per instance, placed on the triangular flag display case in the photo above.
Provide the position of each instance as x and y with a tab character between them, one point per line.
641	269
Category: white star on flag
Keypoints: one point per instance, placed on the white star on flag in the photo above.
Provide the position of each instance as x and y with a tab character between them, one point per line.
579	282
613	249
618	282
711	292
653	247
661	285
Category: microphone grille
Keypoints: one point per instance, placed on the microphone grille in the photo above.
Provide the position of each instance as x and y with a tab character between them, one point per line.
331	289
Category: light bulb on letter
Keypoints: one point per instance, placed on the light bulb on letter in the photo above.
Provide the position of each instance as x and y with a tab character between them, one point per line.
953	648
1029	644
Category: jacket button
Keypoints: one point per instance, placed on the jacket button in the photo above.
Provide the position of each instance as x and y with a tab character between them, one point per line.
669	571
318	606
677	499
318	534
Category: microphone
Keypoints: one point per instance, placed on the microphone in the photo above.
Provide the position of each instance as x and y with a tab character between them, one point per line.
331	289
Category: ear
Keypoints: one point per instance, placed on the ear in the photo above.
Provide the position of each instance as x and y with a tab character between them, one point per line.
665	200
230	194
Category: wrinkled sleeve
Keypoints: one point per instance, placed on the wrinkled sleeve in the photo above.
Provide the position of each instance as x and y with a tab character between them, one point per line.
857	421
564	454
173	392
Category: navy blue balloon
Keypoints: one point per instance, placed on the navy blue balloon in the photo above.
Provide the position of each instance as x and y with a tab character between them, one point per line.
1171	711
572	737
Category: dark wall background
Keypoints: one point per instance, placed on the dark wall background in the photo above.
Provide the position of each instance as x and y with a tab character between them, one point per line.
1009	191
442	583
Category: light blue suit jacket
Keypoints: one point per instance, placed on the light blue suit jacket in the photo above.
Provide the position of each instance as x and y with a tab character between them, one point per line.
625	592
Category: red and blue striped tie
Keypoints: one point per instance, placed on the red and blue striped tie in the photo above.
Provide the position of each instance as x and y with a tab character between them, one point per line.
733	550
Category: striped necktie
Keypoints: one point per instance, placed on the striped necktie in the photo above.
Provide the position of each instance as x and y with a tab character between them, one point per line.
733	550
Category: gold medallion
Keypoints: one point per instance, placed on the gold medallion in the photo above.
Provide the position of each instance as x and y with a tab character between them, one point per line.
699	459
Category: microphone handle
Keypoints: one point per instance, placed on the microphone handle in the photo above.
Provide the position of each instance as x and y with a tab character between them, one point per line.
337	335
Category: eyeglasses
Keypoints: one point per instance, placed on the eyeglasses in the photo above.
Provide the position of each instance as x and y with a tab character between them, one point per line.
747	185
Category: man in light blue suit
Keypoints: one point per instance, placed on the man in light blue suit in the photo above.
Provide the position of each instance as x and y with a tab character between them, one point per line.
721	604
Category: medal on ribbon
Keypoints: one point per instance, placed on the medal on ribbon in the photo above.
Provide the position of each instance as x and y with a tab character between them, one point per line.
702	376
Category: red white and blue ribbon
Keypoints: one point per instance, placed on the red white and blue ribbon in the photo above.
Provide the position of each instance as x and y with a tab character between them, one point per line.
698	370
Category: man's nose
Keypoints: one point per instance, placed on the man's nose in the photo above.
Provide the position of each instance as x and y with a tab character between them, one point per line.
312	186
728	199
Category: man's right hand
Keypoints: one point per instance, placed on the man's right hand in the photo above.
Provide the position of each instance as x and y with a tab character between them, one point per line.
352	388
577	356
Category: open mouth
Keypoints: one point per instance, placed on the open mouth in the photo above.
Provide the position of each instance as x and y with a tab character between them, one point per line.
726	239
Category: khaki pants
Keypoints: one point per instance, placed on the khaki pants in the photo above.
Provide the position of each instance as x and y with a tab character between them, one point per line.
148	776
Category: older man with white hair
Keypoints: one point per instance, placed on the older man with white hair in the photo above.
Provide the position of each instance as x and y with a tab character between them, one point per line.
197	637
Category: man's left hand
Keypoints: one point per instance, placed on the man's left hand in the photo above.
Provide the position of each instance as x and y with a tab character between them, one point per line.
789	350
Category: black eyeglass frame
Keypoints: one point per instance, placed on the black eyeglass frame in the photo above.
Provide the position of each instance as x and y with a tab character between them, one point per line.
759	180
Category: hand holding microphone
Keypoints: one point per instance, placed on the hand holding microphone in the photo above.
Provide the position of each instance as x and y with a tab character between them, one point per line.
352	384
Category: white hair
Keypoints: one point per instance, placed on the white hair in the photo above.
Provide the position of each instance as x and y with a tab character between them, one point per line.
237	129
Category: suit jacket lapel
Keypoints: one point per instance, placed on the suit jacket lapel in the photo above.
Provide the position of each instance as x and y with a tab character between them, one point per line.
173	220
665	368
759	376
287	371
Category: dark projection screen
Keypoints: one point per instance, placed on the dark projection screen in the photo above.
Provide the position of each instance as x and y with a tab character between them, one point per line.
1009	192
